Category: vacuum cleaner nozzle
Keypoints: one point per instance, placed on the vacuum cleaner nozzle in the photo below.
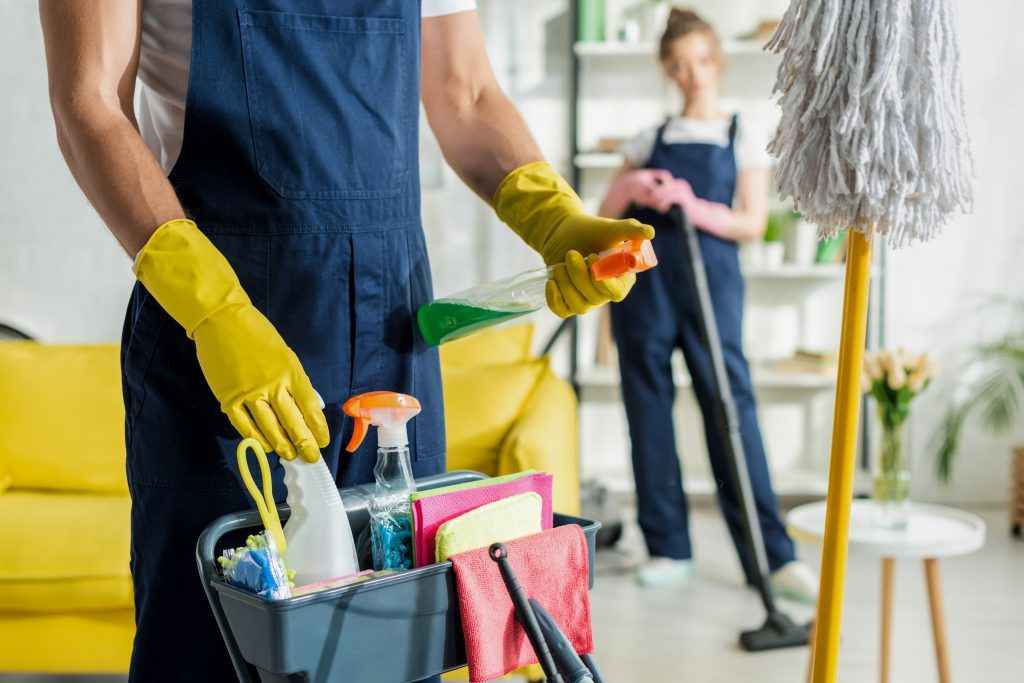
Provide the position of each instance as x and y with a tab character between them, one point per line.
778	631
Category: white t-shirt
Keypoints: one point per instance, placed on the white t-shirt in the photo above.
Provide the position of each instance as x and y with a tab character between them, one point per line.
751	144
164	55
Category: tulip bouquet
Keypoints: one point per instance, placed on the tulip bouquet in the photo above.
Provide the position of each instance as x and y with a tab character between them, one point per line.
893	379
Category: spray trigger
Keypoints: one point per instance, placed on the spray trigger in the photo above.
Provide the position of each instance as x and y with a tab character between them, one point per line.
630	256
387	410
359	430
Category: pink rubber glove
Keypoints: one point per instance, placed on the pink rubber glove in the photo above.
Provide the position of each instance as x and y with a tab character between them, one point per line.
711	217
633	186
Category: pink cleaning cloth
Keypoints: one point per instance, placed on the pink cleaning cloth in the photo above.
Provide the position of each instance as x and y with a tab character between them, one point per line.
552	567
429	513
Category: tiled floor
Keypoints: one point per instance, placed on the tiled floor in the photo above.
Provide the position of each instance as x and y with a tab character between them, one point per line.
689	634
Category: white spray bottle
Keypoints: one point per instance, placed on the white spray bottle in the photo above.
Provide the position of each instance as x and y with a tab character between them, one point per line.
319	537
390	520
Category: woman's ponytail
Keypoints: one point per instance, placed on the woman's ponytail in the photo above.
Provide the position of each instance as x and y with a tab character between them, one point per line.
681	23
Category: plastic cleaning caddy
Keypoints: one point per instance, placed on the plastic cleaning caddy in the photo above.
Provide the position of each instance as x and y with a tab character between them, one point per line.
401	627
390	513
465	312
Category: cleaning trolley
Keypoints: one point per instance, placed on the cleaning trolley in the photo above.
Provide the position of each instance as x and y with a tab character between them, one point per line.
390	626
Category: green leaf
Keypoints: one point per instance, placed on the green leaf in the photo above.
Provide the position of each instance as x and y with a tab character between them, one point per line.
947	442
999	402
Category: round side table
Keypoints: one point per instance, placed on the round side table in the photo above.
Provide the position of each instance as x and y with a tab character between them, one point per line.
932	532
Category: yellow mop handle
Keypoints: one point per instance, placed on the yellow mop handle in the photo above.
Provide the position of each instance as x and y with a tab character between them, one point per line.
841	466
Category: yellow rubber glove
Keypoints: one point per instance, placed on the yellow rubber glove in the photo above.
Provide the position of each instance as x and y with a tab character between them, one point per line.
255	376
544	210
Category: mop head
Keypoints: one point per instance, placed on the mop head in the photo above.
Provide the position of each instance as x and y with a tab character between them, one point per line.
873	134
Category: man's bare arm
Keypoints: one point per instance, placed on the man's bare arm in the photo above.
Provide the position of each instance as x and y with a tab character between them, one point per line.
481	133
92	53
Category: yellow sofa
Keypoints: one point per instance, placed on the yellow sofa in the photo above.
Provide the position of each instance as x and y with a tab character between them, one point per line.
65	588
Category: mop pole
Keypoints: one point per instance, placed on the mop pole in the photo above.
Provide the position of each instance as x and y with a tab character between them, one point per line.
825	655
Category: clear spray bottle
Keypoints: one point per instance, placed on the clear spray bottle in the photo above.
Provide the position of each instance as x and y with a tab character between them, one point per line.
390	513
465	312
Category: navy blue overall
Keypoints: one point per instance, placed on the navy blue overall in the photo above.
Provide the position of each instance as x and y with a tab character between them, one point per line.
300	162
661	314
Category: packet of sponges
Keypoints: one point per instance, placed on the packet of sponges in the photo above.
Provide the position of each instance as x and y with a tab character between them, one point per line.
257	567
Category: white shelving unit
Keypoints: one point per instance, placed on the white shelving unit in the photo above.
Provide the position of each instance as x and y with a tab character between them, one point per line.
800	274
595	160
601	383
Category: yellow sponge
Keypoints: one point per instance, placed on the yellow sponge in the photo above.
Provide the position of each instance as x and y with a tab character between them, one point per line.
498	522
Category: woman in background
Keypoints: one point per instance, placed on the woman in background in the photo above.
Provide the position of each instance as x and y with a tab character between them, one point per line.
706	161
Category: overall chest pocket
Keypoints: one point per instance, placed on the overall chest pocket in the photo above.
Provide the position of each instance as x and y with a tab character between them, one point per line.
326	101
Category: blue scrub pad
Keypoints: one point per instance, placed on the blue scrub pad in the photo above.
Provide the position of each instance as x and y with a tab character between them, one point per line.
257	567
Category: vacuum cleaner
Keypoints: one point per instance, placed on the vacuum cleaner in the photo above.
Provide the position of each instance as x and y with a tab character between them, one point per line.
778	630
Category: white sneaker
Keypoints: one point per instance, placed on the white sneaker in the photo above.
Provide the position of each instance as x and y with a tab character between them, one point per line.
795	581
664	571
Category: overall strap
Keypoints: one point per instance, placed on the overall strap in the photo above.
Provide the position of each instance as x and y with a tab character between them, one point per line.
733	123
661	131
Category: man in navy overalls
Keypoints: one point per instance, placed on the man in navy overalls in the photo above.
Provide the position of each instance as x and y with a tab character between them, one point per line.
280	255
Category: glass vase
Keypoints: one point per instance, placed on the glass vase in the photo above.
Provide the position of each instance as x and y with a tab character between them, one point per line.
892	478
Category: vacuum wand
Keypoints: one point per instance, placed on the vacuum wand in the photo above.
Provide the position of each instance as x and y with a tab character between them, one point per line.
778	630
499	553
569	664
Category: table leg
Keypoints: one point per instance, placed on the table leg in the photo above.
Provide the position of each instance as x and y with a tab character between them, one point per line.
888	571
931	573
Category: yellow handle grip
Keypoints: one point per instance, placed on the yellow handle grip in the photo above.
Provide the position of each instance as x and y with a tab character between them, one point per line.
265	503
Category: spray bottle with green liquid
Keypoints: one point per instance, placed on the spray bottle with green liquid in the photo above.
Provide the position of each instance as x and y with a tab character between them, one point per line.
491	303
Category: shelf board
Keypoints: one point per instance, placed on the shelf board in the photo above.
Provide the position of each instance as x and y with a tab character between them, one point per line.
790	271
797	481
609	160
614	48
601	383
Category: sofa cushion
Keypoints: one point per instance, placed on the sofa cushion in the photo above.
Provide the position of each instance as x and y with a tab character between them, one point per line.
62	552
481	404
546	438
494	346
63	417
73	643
5	477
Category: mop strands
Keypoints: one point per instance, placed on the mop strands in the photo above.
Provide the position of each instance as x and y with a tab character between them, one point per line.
872	139
872	135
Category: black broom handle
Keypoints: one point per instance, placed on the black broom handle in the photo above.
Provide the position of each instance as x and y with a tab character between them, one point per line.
727	417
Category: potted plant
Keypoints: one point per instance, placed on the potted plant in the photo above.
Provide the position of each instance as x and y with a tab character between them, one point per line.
989	383
894	379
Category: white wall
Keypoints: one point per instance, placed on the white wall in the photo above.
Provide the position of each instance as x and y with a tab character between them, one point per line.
62	276
935	288
65	279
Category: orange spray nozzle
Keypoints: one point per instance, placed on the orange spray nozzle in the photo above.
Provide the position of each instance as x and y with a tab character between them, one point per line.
387	410
632	256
